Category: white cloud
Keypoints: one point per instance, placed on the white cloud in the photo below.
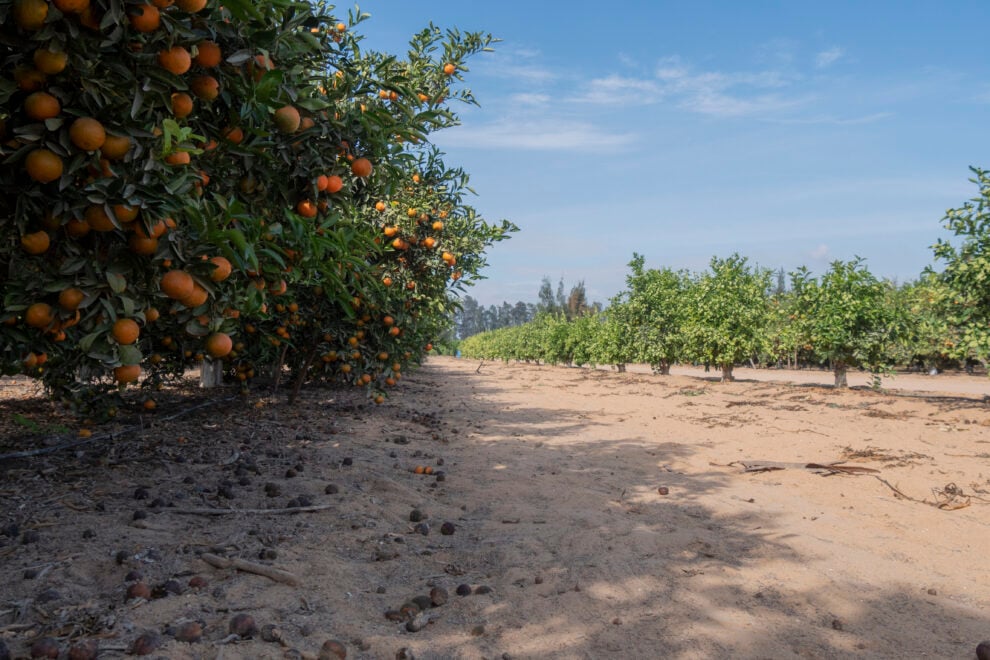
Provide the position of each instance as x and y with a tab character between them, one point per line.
619	90
517	64
534	135
819	252
528	98
828	57
839	121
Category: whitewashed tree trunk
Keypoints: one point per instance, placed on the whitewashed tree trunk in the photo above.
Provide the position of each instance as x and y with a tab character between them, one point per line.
210	373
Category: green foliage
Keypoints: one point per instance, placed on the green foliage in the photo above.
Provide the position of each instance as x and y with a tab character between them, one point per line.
847	317
728	309
967	272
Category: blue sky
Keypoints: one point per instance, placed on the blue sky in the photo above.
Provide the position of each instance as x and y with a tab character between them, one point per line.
794	133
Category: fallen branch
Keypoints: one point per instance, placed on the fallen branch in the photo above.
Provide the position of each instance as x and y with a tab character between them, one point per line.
276	574
225	512
830	468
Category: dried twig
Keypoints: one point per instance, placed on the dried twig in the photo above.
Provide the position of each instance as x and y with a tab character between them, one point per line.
276	574
225	512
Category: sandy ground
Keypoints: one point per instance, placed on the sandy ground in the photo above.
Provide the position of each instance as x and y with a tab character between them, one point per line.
595	515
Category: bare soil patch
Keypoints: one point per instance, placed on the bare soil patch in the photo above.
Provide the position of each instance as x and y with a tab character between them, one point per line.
590	515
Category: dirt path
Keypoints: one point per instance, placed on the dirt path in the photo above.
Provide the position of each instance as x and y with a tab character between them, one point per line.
595	515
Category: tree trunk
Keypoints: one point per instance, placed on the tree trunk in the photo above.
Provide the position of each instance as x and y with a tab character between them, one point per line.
727	376
621	368
839	368
664	368
210	373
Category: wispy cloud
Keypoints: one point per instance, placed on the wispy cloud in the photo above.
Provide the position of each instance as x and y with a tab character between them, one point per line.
535	135
517	64
828	57
528	98
820	252
837	121
712	93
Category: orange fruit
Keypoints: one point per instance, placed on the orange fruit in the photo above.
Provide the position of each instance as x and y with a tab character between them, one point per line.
30	14
28	78
50	62
43	165
176	60
306	209
205	87
142	246
125	213
41	106
388	321
219	344
115	147
70	299
234	134
197	297
361	167
222	270
87	133
178	158
449	69
429	242
177	284
157	230
98	219
151	315
334	184
182	105
71	6
387	281
77	228
208	54
287	119
125	331
127	373
380	206
146	18
39	315
191	6
390	231
36	242
149	404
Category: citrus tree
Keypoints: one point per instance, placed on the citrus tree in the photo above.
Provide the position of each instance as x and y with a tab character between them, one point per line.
966	272
727	313
846	317
654	305
188	180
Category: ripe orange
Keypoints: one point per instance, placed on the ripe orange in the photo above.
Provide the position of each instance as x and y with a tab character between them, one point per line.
41	106
449	69
125	213
98	219
39	315
178	158
177	284
125	331
219	344
388	321
182	105
205	87
115	147
306	209
387	281
341	27
157	229
197	297
127	373
149	404
191	6
71	6
208	54
222	270
334	184
429	242
36	242
438	225
77	228
390	231
151	315
176	59
87	133
361	167
233	134
28	78
380	206
43	166
50	62
146	18
287	119
30	14
142	246
70	299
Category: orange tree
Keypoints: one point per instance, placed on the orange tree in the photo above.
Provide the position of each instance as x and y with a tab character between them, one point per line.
186	180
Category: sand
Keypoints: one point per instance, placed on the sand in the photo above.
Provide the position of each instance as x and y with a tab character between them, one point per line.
602	515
